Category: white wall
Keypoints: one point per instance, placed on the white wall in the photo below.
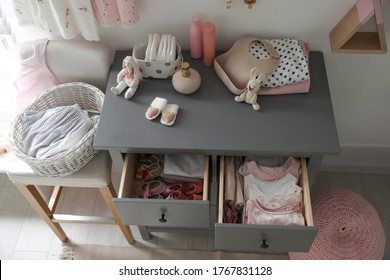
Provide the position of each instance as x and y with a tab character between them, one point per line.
359	83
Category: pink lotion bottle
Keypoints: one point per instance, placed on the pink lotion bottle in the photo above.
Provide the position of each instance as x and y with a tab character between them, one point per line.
196	45
209	43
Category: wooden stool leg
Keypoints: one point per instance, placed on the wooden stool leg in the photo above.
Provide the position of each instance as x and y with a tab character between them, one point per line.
35	199
108	193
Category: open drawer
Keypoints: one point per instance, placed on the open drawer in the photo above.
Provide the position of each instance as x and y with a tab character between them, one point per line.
266	238
160	212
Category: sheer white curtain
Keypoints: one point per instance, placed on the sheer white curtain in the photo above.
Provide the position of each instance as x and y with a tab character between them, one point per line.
8	62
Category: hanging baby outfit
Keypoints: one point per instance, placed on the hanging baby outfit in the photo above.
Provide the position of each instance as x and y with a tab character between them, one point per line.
34	77
110	12
67	18
234	190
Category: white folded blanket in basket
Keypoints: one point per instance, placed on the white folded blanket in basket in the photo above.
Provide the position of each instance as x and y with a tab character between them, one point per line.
49	132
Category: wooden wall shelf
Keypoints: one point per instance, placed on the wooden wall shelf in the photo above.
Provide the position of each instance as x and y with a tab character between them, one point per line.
346	37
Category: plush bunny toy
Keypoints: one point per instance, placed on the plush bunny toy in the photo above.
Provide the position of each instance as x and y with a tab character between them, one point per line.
129	76
249	94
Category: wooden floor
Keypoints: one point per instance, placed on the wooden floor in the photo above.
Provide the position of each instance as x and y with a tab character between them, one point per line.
23	235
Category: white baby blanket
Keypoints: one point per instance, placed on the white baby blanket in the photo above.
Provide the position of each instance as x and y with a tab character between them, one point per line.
49	132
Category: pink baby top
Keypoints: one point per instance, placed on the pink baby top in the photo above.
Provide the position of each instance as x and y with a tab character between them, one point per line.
109	12
34	77
291	165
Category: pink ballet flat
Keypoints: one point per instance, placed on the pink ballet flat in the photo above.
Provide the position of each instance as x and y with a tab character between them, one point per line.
146	189
150	158
172	187
155	196
148	171
177	195
195	197
229	215
194	188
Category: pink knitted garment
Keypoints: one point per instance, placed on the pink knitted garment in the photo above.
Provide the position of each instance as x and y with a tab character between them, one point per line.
109	12
349	228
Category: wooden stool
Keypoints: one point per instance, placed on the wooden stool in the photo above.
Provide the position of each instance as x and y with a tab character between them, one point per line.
96	174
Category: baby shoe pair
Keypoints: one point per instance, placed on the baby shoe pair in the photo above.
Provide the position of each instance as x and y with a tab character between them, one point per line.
168	111
149	166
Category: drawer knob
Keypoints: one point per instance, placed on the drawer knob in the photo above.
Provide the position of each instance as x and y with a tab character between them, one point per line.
264	245
162	219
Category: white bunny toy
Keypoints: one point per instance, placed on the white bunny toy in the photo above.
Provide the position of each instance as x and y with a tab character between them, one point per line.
249	94
129	76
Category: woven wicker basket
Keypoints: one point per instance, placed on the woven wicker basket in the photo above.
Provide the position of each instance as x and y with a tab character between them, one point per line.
89	98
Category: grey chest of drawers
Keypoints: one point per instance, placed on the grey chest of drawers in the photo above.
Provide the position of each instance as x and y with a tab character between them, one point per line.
210	122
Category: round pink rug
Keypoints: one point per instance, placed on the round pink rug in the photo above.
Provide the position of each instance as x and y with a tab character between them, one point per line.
349	228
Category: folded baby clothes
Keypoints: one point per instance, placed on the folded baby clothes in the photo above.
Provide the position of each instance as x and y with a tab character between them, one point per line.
293	66
291	165
272	194
49	132
183	167
289	215
267	161
275	202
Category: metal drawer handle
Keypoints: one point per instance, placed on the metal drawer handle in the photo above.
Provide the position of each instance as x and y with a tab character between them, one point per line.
264	245
162	219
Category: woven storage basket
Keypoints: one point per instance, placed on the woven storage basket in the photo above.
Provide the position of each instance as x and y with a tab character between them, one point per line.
89	98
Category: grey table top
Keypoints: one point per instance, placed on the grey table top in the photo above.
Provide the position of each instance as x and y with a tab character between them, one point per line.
209	121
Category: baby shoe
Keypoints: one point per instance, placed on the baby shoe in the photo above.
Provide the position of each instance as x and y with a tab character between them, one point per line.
150	158
177	195
146	189
195	197
169	113
172	187
148	171
194	188
155	108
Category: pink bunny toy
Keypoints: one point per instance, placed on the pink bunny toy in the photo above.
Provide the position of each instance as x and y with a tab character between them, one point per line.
249	94
129	76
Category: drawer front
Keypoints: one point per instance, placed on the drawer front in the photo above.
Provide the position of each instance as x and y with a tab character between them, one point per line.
160	212
163	213
266	238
